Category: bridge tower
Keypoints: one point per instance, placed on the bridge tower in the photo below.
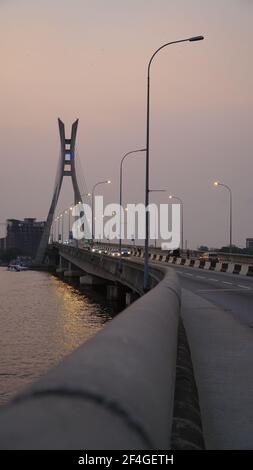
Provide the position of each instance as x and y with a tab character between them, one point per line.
66	168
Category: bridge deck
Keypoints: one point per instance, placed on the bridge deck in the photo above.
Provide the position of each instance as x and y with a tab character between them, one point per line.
222	354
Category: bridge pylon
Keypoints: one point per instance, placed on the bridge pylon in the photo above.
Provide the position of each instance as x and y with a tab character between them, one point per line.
66	168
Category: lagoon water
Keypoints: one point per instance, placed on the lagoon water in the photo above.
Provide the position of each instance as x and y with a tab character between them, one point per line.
42	319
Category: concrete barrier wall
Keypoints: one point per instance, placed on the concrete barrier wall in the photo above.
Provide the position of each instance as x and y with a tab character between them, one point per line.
224	257
244	270
230	268
218	267
115	392
226	267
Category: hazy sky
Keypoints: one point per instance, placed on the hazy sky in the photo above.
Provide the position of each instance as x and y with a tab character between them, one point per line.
88	59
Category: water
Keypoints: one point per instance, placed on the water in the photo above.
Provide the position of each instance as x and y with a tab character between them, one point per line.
42	319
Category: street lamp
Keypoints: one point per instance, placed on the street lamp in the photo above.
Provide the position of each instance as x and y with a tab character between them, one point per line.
216	184
58	228
182	217
146	267
92	204
54	229
68	211
61	217
121	187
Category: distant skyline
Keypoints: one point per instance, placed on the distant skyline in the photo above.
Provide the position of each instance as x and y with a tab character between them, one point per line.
88	59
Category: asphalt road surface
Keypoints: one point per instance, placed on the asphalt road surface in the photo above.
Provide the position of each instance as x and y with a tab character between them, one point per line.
232	292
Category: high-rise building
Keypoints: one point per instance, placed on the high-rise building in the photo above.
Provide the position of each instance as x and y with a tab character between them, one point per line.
23	235
249	243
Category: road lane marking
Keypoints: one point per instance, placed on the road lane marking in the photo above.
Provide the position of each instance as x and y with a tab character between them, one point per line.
226	282
212	279
244	287
219	290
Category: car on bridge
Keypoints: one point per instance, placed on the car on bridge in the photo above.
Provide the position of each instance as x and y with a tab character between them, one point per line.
125	252
115	252
99	250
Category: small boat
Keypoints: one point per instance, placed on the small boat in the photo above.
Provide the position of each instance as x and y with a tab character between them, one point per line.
22	268
17	267
13	267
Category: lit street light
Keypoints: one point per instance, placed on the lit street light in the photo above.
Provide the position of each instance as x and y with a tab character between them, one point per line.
216	184
146	266
61	217
58	228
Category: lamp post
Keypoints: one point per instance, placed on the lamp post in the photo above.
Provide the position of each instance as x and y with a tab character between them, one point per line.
67	212
58	228
216	184
62	226
121	188
182	217
54	230
53	224
146	267
70	210
92	205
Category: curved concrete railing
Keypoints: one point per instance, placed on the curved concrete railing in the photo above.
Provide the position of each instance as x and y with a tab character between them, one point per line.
115	392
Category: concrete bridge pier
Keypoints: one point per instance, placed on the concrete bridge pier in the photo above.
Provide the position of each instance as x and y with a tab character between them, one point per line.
63	264
72	271
131	297
90	280
115	293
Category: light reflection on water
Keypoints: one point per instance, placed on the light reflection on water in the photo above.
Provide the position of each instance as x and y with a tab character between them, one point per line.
42	319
